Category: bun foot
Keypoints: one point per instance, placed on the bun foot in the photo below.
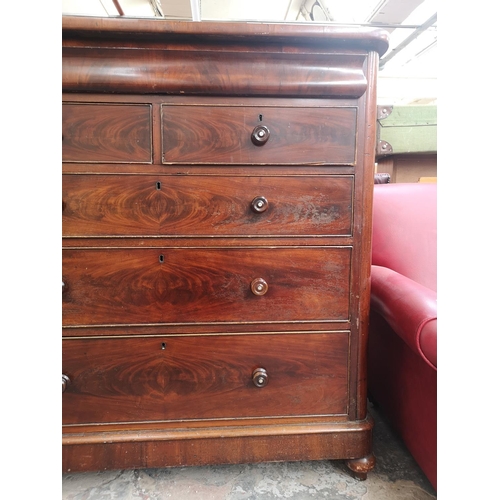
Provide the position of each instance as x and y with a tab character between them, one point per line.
361	466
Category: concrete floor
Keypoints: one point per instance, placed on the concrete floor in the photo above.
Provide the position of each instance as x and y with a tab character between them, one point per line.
395	477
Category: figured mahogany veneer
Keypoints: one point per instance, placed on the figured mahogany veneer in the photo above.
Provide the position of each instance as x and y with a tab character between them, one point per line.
186	378
215	70
189	285
219	134
106	132
216	204
146	205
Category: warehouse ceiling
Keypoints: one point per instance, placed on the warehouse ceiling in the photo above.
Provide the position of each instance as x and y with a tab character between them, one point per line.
408	70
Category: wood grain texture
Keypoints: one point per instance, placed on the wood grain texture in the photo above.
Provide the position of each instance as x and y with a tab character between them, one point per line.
162	332
217	72
179	378
140	32
121	286
106	133
364	249
215	444
118	205
222	134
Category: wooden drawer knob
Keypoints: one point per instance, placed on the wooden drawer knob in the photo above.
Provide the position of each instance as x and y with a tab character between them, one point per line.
259	286
260	377
260	135
65	382
259	204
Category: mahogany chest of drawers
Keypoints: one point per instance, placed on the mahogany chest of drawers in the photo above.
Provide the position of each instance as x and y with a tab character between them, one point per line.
217	188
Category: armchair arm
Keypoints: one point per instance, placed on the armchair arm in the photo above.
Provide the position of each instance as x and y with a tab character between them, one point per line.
409	308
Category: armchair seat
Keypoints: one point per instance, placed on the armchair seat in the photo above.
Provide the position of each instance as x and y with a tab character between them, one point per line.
402	343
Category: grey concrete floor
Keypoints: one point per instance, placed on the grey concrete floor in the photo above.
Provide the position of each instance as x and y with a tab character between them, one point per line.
395	477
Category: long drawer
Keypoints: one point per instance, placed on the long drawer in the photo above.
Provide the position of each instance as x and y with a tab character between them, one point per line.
117	205
188	285
178	378
276	135
106	133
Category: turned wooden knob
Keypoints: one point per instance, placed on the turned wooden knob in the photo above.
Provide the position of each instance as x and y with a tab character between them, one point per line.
259	204
259	286
260	377
260	135
65	382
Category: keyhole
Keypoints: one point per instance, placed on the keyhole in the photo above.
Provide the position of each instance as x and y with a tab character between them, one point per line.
260	118
161	258
158	185
163	346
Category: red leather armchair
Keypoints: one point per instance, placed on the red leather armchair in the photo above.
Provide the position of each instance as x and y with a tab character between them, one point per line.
402	345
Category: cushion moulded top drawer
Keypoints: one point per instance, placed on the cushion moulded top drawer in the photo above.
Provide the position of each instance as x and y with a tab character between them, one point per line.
258	135
106	133
198	377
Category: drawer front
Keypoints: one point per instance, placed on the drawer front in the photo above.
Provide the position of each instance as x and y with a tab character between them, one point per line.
224	135
106	133
114	205
178	378
188	285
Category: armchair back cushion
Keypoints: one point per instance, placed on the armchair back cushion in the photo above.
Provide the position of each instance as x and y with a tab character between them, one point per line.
409	249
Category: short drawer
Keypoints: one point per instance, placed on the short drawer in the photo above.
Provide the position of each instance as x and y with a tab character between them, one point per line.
106	133
258	135
211	285
114	205
200	377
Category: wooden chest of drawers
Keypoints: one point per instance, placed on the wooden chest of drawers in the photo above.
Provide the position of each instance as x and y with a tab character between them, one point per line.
217	187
